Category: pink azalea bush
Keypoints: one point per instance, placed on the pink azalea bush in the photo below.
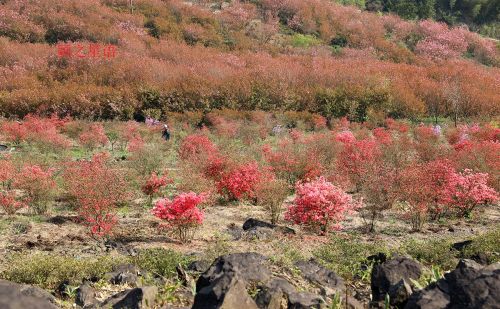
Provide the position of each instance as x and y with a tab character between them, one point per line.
470	190
38	187
181	215
94	137
320	205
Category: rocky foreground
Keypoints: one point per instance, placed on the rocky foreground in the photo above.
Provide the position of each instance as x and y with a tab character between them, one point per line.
246	281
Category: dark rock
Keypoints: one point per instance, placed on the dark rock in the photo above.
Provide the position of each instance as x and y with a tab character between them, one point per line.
255	223
459	246
261	233
199	266
305	300
378	258
273	294
481	258
470	285
123	274
389	273
234	231
3	148
399	293
17	296
251	267
226	292
137	298
85	296
326	279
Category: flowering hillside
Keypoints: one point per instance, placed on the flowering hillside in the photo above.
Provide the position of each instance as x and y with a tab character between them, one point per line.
123	59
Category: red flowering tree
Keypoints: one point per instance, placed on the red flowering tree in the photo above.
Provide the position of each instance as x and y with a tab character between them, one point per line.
97	189
181	215
37	185
240	182
195	145
154	184
470	190
9	202
320	205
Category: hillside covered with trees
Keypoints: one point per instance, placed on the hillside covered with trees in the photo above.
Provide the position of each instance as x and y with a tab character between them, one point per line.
174	56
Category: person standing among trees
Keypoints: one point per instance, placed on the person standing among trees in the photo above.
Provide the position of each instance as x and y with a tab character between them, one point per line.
165	134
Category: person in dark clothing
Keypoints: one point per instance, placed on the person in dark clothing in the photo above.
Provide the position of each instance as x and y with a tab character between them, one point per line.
165	134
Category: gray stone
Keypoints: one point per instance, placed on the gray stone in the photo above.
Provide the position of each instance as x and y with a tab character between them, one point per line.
17	296
324	278
389	273
85	296
226	292
137	298
305	300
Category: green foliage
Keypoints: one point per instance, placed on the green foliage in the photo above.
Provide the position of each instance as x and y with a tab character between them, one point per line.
487	243
304	40
346	255
50	270
432	252
160	262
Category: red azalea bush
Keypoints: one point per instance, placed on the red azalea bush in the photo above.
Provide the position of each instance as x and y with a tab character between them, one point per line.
94	137
38	187
196	145
320	205
9	202
97	189
240	182
154	184
42	132
181	215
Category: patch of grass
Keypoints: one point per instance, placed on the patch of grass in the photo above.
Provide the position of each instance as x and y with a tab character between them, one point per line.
487	243
50	270
304	40
160	262
220	245
346	255
289	255
437	252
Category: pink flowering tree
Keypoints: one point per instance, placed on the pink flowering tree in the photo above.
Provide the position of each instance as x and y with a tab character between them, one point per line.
319	205
470	190
181	215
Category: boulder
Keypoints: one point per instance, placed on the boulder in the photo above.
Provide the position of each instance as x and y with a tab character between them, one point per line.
227	291
399	293
199	266
137	298
123	274
324	278
251	267
305	300
388	275
470	285
17	296
252	223
273	294
85	296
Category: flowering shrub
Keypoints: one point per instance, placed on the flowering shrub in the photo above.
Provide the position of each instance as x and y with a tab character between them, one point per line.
7	172
94	137
181	215
195	145
9	203
271	194
154	184
37	185
135	144
470	190
320	205
354	158
97	189
240	182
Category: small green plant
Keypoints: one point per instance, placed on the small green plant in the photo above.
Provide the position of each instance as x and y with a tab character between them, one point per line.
70	291
167	293
160	262
336	302
432	252
427	278
220	245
